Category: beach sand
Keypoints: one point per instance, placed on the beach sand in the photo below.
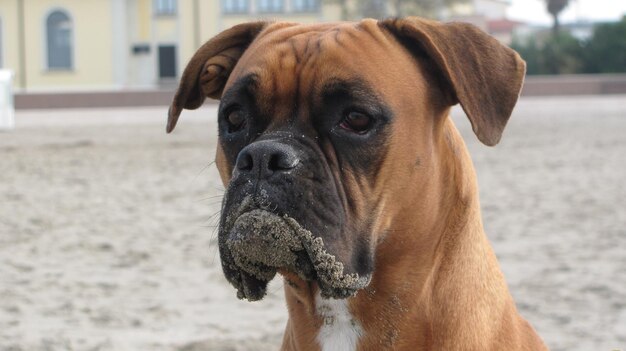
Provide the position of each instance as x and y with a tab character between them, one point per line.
108	240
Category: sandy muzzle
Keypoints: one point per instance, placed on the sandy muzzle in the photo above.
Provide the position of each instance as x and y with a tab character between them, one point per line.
260	243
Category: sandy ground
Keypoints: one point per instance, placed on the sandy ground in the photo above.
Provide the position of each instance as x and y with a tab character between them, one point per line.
107	229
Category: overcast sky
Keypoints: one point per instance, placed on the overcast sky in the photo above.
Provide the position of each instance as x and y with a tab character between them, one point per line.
534	11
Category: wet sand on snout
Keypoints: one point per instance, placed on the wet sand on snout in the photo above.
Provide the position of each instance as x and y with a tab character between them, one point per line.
108	241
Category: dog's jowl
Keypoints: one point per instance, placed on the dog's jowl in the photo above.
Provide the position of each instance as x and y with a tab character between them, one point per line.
346	176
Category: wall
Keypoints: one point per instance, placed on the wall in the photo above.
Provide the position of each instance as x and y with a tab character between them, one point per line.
10	47
92	44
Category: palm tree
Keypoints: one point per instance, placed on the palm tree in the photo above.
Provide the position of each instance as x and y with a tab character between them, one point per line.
554	8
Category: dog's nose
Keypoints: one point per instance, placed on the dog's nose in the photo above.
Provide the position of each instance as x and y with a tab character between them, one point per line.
267	157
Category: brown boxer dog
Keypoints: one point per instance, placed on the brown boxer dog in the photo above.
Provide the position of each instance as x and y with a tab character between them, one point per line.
345	174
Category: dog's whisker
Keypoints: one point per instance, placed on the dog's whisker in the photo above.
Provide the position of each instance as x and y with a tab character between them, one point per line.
211	203
215	250
208	197
281	286
195	178
214	216
221	189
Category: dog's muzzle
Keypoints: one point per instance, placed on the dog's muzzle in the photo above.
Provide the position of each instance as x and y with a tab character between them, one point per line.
260	243
256	241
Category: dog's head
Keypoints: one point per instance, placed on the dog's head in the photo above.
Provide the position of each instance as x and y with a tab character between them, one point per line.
324	128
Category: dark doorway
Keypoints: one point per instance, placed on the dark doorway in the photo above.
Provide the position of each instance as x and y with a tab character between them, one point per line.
167	61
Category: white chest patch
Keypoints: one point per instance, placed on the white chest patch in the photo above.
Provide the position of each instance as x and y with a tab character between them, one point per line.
340	331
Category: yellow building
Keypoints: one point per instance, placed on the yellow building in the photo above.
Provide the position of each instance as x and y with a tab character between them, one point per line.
53	45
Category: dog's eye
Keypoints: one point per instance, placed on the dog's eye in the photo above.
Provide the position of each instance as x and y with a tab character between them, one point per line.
236	120
356	122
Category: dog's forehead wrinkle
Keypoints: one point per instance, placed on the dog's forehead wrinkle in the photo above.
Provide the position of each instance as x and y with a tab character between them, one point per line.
305	42
287	62
248	83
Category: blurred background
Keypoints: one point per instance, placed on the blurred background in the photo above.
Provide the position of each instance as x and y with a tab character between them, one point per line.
107	224
108	45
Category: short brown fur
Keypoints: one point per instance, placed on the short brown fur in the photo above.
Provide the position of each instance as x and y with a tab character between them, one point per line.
437	284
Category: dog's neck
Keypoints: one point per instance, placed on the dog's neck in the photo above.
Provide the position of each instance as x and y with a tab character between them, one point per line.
416	278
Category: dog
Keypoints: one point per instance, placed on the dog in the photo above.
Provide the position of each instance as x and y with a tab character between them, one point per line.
345	174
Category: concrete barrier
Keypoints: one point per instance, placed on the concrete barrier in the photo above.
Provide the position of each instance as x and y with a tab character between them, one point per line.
7	110
534	86
575	85
93	99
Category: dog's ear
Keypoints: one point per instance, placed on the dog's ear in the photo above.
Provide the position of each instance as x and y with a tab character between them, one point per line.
485	76
209	68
